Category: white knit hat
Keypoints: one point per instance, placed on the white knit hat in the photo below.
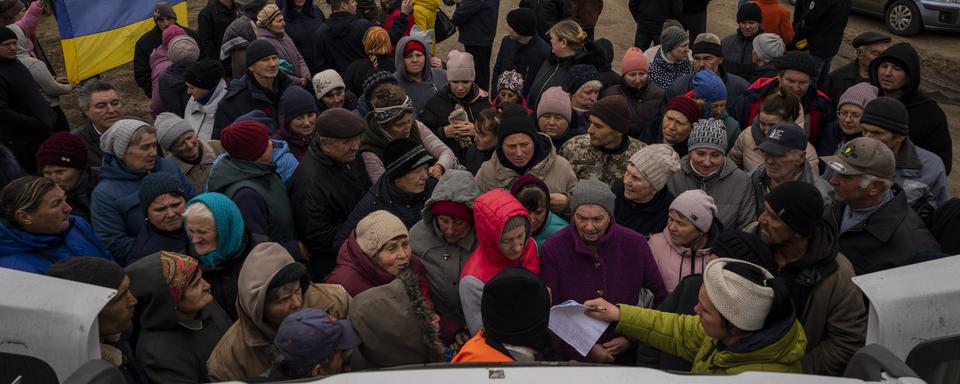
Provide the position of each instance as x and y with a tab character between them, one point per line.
326	81
376	229
116	140
743	303
656	162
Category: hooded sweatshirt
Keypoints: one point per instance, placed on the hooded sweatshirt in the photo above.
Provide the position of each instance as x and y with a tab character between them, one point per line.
28	252
928	123
243	350
555	171
433	79
491	211
168	351
444	261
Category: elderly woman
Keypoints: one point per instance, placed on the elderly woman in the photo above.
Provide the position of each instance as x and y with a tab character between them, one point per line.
374	254
331	92
271	26
443	241
393	118
452	112
642	201
535	197
707	167
745	322
777	107
678	118
130	154
672	61
682	249
179	322
163	201
583	85
37	229
298	120
414	73
850	108
192	154
596	256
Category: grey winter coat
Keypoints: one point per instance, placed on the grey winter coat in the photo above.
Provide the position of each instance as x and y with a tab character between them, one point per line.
738	54
433	78
729	187
922	166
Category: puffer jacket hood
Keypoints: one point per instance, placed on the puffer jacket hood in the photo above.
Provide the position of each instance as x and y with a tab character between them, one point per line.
456	186
905	57
155	305
491	211
229	172
398	60
263	263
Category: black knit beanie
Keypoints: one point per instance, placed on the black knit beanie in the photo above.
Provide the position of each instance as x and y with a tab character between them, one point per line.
515	308
798	61
204	74
401	156
290	273
89	270
737	244
523	21
515	119
749	12
887	113
257	50
798	204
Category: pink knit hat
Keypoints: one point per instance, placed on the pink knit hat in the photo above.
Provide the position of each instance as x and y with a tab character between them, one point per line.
170	32
633	60
859	95
697	206
555	100
460	66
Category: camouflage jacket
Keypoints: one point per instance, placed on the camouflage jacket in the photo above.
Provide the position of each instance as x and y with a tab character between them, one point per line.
589	161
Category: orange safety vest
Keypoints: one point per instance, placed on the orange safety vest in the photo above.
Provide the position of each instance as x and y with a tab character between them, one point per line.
476	350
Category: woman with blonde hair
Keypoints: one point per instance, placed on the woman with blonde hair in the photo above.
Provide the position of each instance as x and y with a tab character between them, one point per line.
377	46
568	47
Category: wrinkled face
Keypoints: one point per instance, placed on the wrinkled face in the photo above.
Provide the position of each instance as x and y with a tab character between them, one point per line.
848	118
267	68
117	315
196	295
413	62
50	217
304	125
636	188
196	92
703	61
584	98
342	150
460	89
8	49
164	22
796	81
513	242
104	109
602	136
866	53
485	139
847	188
335	98
518	149
592	222
267	156
786	166
508	96
142	156
187	147
282	301
767	120
676	127
166	212
890	139
414	181
892	77
399	127
395	255
454	229
636	79
553	124
65	177
773	230
278	24
682	231
706	161
203	235
748	28
710	318
680	52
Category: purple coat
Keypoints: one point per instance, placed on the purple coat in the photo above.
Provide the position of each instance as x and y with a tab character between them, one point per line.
621	266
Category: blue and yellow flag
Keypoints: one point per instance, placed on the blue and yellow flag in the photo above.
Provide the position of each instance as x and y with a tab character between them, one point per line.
99	35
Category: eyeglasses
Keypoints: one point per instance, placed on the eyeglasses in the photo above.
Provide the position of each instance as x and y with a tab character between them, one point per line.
852	115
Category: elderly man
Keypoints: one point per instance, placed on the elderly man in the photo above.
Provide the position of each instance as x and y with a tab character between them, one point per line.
878	230
259	89
101	104
329	182
886	119
26	119
708	54
738	46
643	203
604	150
804	246
868	45
784	160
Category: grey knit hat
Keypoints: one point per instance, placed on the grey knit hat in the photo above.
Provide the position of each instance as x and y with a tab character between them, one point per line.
708	133
656	162
768	46
673	37
593	191
169	128
858	95
116	140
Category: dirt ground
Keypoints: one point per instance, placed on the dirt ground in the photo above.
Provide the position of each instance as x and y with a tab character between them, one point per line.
939	52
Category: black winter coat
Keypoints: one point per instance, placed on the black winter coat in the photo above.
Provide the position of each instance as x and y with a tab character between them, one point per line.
325	192
821	23
842	79
212	22
644	218
476	21
386	196
738	54
26	118
339	41
548	13
151	240
361	69
141	56
245	95
695	6
173	90
650	14
91	138
302	27
436	114
554	71
525	59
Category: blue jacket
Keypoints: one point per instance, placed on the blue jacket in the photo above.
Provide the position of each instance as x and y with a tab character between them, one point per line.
115	204
525	59
28	252
476	21
553	225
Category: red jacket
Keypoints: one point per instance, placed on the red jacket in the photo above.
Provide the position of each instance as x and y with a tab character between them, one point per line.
491	211
776	19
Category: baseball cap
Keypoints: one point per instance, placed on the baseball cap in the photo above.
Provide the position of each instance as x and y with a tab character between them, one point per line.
863	156
310	336
783	137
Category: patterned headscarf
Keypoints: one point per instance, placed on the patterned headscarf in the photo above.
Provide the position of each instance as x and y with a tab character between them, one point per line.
178	271
387	114
511	80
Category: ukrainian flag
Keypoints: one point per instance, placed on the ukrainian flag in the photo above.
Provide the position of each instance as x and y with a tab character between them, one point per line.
99	35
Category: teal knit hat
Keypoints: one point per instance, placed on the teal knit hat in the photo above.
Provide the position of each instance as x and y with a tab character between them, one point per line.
229	227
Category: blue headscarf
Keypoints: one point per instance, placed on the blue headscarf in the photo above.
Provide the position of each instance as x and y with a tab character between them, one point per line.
226	217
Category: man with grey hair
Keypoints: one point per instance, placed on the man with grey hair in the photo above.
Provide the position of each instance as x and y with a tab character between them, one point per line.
329	182
785	159
878	229
101	104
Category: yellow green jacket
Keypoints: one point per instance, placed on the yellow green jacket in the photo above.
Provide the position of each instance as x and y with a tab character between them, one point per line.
683	336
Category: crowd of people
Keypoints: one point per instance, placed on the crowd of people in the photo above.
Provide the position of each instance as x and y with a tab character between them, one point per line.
322	193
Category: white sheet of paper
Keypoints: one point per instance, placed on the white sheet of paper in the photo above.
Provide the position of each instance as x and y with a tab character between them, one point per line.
569	321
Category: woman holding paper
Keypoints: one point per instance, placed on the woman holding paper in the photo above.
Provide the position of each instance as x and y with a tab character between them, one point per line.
597	257
745	322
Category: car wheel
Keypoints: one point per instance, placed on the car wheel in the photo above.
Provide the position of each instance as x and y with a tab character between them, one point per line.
903	18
